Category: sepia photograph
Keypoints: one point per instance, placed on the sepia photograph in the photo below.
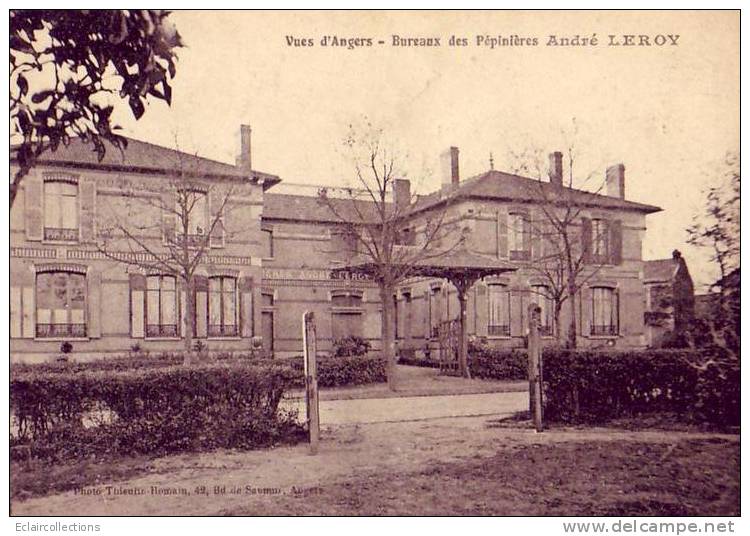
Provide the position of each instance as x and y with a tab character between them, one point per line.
375	263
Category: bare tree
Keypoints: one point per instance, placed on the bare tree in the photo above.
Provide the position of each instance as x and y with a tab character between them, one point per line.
170	230
564	257
718	228
382	234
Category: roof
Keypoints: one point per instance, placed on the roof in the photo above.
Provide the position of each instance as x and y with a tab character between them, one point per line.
508	187
143	157
313	209
660	269
457	263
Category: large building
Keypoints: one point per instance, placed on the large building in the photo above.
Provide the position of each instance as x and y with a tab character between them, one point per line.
271	255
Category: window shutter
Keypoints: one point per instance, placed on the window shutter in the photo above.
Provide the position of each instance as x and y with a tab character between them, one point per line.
516	313
616	305
615	241
482	309
34	206
168	216
502	233
245	288
28	293
201	306
87	193
535	230
586	311
217	215
137	299
183	306
586	239
94	288
16	312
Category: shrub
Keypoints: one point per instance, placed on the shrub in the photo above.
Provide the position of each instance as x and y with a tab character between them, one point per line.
591	387
341	371
350	346
414	361
490	363
149	411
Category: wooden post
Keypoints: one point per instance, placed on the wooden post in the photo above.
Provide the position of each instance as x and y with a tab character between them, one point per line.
535	358
463	348
311	379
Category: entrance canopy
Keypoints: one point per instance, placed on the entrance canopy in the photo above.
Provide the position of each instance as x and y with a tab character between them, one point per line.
461	267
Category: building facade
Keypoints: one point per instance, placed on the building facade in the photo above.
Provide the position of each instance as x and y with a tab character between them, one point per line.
271	255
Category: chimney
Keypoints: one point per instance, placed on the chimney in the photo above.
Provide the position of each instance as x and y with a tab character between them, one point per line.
449	165
401	193
244	160
556	168
616	181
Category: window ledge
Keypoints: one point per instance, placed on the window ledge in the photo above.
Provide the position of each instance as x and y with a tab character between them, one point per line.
225	338
60	242
602	337
62	339
499	337
163	338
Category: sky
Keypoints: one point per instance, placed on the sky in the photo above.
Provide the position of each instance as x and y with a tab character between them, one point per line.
668	113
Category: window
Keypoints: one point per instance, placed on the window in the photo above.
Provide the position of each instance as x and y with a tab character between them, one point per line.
541	296
222	307
518	237
195	204
161	306
346	315
267	251
604	313
499	314
60	304
600	241
60	210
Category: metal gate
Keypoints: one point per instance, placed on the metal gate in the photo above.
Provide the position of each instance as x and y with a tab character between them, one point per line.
448	333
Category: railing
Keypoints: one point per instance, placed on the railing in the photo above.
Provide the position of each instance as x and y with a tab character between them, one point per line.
61	234
498	331
60	330
161	330
219	330
604	330
192	240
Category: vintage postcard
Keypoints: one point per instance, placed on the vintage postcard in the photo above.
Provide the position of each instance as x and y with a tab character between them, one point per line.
375	263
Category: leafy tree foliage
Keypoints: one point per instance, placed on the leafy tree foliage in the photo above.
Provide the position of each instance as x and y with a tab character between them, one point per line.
68	69
718	228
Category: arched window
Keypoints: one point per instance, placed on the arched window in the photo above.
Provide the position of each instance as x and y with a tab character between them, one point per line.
60	209
222	307
60	304
499	312
161	306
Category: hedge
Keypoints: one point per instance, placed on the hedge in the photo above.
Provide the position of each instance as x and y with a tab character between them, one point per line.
149	411
341	371
332	371
490	363
593	387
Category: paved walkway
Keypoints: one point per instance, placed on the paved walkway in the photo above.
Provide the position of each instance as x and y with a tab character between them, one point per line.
416	408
